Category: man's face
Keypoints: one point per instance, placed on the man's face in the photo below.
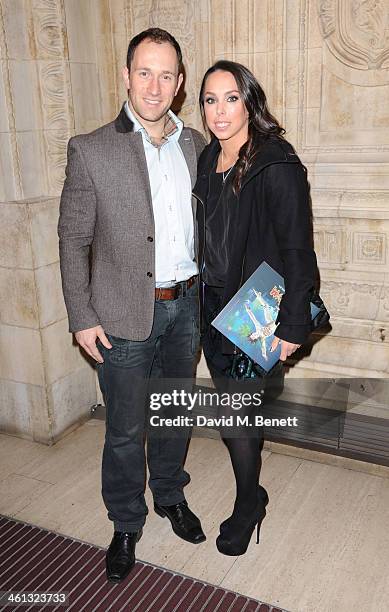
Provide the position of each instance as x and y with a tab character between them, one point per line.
153	82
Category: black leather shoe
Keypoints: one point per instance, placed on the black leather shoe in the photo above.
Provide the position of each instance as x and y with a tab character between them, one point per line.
120	556
185	524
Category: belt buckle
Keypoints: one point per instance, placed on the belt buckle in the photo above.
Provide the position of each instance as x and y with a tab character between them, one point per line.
173	292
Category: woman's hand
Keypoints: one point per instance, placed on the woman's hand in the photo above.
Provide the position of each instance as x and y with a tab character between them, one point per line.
287	348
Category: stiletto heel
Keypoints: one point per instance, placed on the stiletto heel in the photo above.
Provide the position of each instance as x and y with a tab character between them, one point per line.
261	495
236	532
235	541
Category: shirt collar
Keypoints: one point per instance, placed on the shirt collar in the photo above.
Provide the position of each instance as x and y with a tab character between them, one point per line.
172	130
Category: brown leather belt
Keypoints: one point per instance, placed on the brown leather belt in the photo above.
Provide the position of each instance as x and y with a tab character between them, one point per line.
172	293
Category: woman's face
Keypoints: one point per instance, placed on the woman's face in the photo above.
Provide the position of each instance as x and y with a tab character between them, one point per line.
225	112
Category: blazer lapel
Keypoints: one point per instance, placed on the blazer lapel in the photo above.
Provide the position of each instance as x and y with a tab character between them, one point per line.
189	150
136	150
133	147
124	125
186	143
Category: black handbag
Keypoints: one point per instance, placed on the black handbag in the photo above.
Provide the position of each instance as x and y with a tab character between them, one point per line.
243	367
323	316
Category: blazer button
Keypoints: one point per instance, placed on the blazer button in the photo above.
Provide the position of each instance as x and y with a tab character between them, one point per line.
149	274
150	238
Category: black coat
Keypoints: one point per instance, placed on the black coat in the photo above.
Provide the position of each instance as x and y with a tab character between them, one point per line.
274	225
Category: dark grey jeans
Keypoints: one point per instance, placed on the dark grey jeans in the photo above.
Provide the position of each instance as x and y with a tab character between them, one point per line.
169	352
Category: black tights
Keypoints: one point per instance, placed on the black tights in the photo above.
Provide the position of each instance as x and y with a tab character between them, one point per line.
245	454
244	446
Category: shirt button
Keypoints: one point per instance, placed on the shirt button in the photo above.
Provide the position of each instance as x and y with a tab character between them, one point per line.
149	274
150	238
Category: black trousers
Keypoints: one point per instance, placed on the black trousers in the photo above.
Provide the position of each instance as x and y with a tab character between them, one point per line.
169	352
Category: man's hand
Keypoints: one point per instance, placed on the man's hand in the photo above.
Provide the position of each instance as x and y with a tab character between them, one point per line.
86	338
287	348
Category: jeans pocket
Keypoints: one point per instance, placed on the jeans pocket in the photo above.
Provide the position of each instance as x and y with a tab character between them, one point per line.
119	350
115	341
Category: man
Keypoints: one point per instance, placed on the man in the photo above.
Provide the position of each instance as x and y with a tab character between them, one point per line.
128	245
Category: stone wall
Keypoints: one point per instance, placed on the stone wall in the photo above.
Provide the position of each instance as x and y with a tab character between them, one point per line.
57	78
325	68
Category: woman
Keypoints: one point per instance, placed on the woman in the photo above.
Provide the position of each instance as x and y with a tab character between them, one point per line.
254	207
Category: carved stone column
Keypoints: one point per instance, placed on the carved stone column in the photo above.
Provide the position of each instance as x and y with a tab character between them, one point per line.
342	133
49	90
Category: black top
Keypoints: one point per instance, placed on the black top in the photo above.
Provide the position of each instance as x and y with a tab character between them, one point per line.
219	218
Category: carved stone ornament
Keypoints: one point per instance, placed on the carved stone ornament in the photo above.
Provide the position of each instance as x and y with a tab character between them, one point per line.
49	28
370	248
356	31
348	298
178	17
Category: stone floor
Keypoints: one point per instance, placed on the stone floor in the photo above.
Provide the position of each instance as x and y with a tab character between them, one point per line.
324	543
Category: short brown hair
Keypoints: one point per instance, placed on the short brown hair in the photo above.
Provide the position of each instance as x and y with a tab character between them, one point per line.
155	35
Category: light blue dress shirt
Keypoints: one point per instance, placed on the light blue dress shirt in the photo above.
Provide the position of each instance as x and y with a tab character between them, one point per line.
171	191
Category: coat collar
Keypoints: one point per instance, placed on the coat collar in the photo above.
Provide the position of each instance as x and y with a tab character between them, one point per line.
123	123
187	146
273	151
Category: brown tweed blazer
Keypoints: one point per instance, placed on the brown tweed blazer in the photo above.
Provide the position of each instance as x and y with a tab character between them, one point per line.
106	229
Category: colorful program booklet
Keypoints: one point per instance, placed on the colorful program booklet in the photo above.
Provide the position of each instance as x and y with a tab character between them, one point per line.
249	318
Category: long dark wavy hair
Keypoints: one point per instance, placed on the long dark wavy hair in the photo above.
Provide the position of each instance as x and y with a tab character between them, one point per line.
262	124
